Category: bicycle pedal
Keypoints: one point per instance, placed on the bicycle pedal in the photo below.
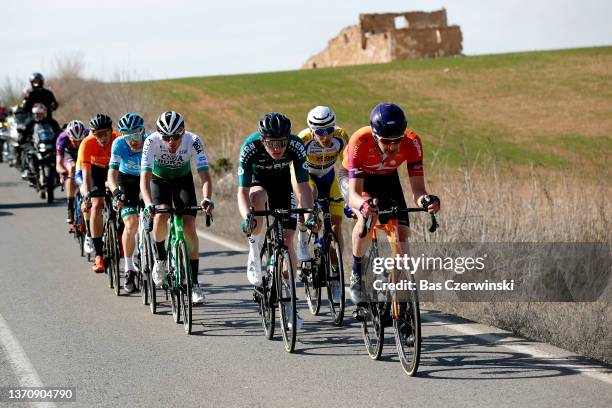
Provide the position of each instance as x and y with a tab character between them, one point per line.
357	315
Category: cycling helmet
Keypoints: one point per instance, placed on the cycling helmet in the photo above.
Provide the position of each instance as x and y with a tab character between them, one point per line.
130	122
388	120
76	130
100	121
321	117
171	123
38	77
274	125
39	111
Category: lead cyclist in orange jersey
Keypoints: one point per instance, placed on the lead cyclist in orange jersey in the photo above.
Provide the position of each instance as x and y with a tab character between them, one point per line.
372	157
94	157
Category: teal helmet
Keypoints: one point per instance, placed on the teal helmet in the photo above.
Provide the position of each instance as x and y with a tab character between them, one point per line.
130	122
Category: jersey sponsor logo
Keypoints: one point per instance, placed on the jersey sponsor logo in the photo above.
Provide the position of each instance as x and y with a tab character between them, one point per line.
247	152
305	166
417	145
240	171
169	160
198	146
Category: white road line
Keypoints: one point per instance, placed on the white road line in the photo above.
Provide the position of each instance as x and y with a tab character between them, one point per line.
222	241
551	354
23	368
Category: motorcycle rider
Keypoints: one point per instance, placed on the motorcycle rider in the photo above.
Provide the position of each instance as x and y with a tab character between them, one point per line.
39	116
39	94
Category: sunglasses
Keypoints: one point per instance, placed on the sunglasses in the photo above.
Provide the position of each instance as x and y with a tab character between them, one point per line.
167	138
393	141
130	137
276	143
324	131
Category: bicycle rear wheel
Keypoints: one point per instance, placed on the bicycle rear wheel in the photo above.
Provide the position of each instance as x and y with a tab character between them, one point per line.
407	325
286	298
184	274
335	279
266	304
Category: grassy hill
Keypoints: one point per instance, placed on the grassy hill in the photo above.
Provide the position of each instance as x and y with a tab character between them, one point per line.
551	108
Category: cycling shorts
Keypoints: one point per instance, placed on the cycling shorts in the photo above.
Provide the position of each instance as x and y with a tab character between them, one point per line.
280	195
177	193
99	175
130	186
388	190
327	186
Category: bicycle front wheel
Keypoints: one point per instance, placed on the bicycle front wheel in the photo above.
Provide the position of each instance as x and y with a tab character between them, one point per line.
107	264
373	313
266	304
407	325
184	275
286	298
313	294
115	258
335	279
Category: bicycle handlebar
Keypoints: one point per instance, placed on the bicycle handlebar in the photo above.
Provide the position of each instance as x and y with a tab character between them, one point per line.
279	212
209	217
394	211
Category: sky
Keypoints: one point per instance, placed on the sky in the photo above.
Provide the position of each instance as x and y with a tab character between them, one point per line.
156	39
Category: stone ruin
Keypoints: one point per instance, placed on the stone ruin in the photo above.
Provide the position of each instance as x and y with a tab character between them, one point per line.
389	37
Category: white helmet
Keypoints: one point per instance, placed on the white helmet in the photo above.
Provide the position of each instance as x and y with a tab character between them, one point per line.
76	130
321	117
171	123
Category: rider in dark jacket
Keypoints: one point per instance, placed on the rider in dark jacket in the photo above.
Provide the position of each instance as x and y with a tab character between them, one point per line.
39	115
39	94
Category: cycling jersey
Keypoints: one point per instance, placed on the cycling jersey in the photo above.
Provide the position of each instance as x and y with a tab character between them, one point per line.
124	159
321	159
64	146
92	153
363	157
157	159
256	162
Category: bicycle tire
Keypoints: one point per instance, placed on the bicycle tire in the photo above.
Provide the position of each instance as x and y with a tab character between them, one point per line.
184	274
115	258
407	323
313	295
288	334
107	264
336	306
372	327
266	305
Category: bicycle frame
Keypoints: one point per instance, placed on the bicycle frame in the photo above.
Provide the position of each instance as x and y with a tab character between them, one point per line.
391	231
175	236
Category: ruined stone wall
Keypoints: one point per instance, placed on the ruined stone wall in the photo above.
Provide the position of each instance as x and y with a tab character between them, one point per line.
376	23
377	39
427	42
347	49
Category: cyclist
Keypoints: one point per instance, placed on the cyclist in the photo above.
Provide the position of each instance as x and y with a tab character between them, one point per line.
94	157
264	176
66	150
324	142
373	156
124	182
166	180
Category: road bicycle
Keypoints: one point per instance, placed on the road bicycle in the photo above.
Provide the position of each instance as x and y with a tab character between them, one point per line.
401	308
178	281
278	282
146	261
326	268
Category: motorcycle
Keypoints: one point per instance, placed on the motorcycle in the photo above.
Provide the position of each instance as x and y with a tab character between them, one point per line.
4	135
40	155
12	151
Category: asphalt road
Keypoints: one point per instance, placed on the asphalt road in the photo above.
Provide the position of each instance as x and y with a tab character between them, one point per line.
75	332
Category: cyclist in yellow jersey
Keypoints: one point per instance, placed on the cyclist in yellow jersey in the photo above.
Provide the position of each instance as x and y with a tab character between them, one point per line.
324	142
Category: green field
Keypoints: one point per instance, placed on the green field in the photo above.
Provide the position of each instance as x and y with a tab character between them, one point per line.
552	109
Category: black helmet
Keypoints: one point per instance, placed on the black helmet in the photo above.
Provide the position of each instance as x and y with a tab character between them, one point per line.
388	120
37	76
274	125
100	121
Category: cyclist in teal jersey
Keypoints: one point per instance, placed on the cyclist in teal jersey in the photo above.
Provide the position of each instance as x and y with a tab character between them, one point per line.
124	182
